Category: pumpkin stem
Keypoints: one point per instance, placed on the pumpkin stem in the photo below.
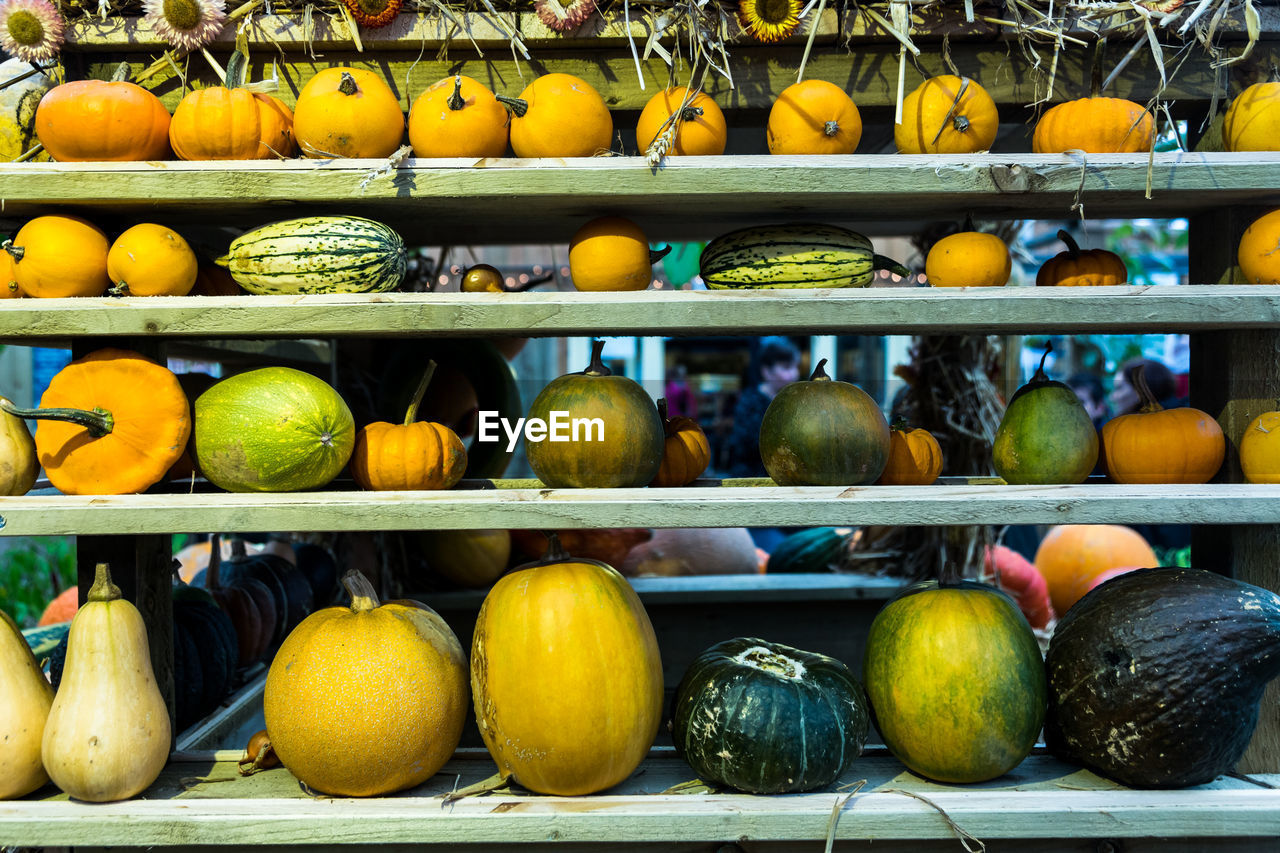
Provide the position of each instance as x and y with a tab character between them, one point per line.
656	255
103	589
1073	248
880	262
819	373
951	113
690	113
961	124
412	415
1095	71
236	67
238	551
1138	379
899	424
831	128
456	101
662	409
596	367
16	251
1040	375
348	84
215	562
968	222
518	106
99	422
556	552
363	596
121	74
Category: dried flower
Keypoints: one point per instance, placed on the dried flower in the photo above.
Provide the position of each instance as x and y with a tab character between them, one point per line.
31	30
186	24
768	21
373	13
564	17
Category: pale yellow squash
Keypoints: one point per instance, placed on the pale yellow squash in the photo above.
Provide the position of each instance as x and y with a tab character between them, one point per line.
18	464
23	711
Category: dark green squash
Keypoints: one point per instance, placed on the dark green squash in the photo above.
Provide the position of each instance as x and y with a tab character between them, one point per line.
766	718
823	433
1155	676
1045	437
633	440
213	668
290	589
810	550
188	677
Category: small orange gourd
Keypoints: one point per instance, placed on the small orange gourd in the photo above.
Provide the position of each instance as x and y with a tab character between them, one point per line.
482	278
559	115
968	259
692	120
1260	449
1096	126
103	120
813	117
1253	119
685	451
412	455
151	260
213	280
1078	268
458	117
230	122
347	112
612	253
1157	445
1257	256
56	256
915	457
947	114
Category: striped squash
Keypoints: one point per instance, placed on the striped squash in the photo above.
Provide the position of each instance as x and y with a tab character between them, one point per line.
800	255
318	254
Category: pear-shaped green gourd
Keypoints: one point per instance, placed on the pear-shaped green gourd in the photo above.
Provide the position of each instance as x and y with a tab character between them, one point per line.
1046	437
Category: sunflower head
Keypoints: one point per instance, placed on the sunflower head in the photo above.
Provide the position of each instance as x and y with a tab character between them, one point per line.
31	30
373	13
768	21
186	24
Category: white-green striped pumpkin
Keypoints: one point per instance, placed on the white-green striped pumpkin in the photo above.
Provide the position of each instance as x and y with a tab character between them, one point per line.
318	254
801	255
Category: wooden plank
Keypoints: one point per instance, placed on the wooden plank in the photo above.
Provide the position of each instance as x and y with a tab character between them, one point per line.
585	508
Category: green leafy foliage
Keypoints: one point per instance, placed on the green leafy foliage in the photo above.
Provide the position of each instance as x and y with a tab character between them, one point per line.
32	572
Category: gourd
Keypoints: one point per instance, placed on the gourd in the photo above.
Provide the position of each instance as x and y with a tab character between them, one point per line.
1155	676
205	653
1045	436
565	675
621	443
27	698
230	122
1259	262
250	604
765	718
611	253
18	465
458	117
685	451
915	457
412	455
606	545
1070	556
108	733
318	254
559	115
968	259
1259	452
956	682
275	429
1079	268
290	590
823	433
467	558
213	280
347	112
58	256
9	288
813	117
813	549
1094	125
1011	572
366	700
685	551
103	120
689	122
151	260
798	255
947	114
1158	445
1253	119
18	102
482	278
61	609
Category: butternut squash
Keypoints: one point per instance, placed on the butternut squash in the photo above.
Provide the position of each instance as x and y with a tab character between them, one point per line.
108	732
18	465
27	697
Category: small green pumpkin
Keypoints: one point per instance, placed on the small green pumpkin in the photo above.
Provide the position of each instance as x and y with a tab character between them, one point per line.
1045	437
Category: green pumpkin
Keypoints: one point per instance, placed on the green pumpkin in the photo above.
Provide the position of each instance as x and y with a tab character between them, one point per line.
1045	437
272	430
956	681
768	719
809	550
631	451
823	433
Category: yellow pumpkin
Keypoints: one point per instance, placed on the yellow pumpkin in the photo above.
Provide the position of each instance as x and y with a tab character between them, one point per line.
412	455
968	259
813	117
467	558
18	464
1253	119
23	713
1259	261
60	256
685	452
1260	449
1095	126
152	260
229	122
559	115
1079	268
369	699
458	117
347	112
9	288
611	253
947	115
565	676
915	458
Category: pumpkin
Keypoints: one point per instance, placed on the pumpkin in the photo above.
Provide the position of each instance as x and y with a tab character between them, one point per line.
686	551
811	550
621	442
213	280
947	114
27	698
1158	445
565	675
482	278
956	681
229	122
9	288
60	256
1071	555
915	457
1077	268
765	718
813	117
823	433
559	115
1259	261
685	451
968	259
347	112
62	609
275	429
467	558
1095	126
107	736
1259	449
611	253
250	604
1253	119
458	117
18	465
115	421
103	120
290	590
690	122
369	699
606	545
151	260
318	565
412	455
1008	570
18	102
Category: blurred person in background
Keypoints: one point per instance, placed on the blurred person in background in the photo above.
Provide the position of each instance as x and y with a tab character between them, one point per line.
777	363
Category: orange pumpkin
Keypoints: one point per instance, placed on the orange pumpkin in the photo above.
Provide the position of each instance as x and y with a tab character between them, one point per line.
1095	126
1259	261
347	112
559	115
9	288
103	120
412	455
968	259
1260	449
1157	445
915	457
57	256
114	423
458	117
694	128
947	115
151	260
1253	119
685	451
231	123
611	253
813	117
213	280
1077	268
1071	555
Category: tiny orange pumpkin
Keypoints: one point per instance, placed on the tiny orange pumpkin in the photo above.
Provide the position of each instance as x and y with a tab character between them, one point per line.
458	117
685	451
347	112
559	115
1077	268
151	260
915	457
692	120
813	117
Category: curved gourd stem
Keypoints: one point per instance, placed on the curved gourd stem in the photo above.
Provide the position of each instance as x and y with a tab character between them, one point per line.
656	255
819	373
556	552
412	414
456	101
1073	248
15	251
348	84
236	68
1040	375
1095	71
363	596
518	106
662	409
215	563
880	262
121	74
596	367
899	424
1138	379
103	589
98	421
